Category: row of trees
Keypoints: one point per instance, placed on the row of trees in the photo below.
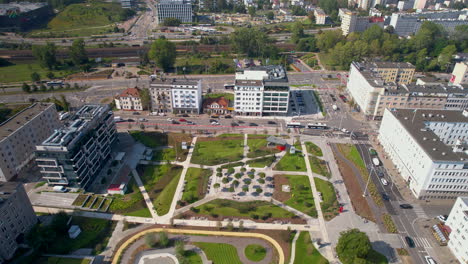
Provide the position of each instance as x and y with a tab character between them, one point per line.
46	55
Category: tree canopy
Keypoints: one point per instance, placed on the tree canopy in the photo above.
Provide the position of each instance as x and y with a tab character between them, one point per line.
253	42
163	53
353	247
78	53
46	55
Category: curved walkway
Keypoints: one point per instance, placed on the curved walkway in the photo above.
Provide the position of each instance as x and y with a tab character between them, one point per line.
293	248
139	235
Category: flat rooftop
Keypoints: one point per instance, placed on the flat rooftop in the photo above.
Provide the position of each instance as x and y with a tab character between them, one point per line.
21	118
276	73
6	190
173	81
414	121
387	65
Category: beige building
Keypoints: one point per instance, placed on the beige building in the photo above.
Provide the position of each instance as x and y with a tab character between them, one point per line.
129	100
176	95
320	16
460	73
20	134
16	217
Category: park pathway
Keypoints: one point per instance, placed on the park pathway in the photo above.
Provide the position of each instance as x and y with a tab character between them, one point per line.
293	248
143	191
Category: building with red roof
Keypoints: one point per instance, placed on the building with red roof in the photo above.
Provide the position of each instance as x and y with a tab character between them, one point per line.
129	100
218	105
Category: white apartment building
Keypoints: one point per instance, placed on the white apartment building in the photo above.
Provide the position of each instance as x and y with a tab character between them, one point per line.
428	148
176	95
458	222
320	16
352	22
180	9
261	91
20	134
460	73
419	4
129	100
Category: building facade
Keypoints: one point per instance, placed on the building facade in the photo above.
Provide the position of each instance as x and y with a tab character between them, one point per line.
23	15
458	223
352	22
74	155
17	217
180	9
218	105
129	100
21	133
176	96
460	73
261	91
428	148
320	16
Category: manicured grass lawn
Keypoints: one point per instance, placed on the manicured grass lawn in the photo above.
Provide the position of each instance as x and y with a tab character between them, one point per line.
161	182
301	194
291	162
21	72
56	260
193	257
254	209
329	204
80	200
319	166
261	162
131	204
212	151
158	139
306	252
255	252
258	146
219	253
197	182
94	234
313	149
164	154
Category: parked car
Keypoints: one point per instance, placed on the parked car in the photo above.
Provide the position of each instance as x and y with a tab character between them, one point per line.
430	260
410	242
442	218
170	119
136	113
175	122
182	120
252	124
384	181
130	120
234	124
215	123
227	116
372	152
406	206
190	123
142	120
385	197
376	161
271	122
240	122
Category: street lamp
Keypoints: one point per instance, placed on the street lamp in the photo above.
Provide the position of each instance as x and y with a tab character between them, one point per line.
368	180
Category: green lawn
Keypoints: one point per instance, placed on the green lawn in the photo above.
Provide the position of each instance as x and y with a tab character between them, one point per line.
219	253
193	257
313	149
329	204
131	204
291	162
255	252
258	146
160	182
306	252
253	209
21	72
319	166
376	257
158	139
228	96
56	260
209	151
164	154
197	182
261	162
301	197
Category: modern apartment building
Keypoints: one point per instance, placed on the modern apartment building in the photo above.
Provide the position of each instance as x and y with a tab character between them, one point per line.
352	22
20	134
261	91
458	223
320	16
176	95
406	24
428	148
74	154
129	99
180	9
17	217
460	73
127	3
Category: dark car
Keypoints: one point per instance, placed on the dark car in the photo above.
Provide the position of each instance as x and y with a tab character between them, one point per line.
213	120
385	197
234	124
240	122
252	124
271	122
175	122
135	113
410	242
406	206
227	116
130	120
343	98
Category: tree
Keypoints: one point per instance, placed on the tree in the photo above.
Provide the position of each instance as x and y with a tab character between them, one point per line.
270	15
179	249
46	55
253	42
297	32
171	22
258	190
353	246
328	39
145	98
26	88
77	52
43	88
60	223
219	225
445	57
230	171
241	226
163	53
163	239
374	32
230	226
252	11
150	240
307	44
298	11
35	77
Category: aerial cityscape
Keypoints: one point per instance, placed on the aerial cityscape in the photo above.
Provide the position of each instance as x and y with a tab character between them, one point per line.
234	131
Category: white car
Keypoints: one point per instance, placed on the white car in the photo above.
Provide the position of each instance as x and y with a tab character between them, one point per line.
441	218
170	119
215	123
430	260
384	181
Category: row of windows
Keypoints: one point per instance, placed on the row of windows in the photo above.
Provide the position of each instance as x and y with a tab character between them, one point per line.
447	173
449	180
435	186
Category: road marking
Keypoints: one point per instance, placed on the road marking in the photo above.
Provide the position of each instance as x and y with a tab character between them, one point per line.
419	211
422	242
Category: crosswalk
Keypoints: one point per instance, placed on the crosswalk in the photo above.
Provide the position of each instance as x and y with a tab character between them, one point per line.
419	211
422	242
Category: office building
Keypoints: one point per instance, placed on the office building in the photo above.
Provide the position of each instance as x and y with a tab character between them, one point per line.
351	22
20	134
320	16
458	223
17	217
261	91
176	96
180	9
406	24
428	148
74	154
419	4
460	73
23	15
129	99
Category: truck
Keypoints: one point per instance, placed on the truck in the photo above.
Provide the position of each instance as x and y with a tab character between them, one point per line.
376	161
335	107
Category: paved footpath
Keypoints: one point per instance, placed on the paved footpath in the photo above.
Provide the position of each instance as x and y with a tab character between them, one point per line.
293	248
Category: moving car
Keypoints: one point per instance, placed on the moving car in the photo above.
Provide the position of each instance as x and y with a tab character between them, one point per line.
406	206
385	197
372	152
376	161
442	218
429	260
384	181
410	242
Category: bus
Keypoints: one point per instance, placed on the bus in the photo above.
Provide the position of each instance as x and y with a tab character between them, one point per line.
54	83
229	86
317	126
293	125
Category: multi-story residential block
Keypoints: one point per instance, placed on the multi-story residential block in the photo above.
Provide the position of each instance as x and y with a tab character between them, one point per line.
130	100
17	217
406	24
74	154
460	73
261	90
320	16
20	134
428	147
352	22
458	223
180	9
419	4
176	95
127	3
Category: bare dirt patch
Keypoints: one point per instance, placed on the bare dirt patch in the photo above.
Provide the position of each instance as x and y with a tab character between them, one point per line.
278	194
